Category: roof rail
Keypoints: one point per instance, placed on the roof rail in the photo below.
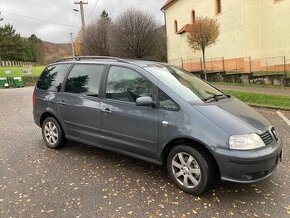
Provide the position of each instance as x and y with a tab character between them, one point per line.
78	58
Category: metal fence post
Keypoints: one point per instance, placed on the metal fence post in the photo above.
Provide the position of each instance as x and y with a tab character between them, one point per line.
250	63
201	66
223	59
181	62
284	60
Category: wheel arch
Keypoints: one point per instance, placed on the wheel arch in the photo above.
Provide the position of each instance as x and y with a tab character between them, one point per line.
46	115
61	137
194	143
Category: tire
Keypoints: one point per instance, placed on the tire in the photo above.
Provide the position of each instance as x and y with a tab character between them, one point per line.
192	177
52	133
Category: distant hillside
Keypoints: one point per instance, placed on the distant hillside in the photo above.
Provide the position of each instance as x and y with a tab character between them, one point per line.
52	51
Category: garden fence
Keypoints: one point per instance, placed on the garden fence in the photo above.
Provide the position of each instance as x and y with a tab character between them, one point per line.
17	63
277	64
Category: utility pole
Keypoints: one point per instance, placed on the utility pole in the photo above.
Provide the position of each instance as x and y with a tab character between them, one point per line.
72	44
81	3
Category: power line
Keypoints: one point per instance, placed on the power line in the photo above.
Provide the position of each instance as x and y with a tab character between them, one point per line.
93	10
73	19
1	18
38	19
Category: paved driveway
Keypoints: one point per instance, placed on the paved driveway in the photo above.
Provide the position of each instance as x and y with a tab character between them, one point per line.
83	181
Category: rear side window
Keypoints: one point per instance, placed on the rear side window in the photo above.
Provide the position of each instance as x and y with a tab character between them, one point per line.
85	79
52	77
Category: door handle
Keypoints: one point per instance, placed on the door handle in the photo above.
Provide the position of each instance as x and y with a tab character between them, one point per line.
165	123
62	102
107	111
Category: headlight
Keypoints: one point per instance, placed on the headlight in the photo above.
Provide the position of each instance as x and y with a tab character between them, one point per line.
246	142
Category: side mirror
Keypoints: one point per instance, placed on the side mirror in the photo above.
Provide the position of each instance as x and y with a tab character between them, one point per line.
145	101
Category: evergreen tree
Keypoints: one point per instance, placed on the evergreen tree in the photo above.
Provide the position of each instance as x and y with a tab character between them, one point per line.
35	44
15	48
105	15
11	44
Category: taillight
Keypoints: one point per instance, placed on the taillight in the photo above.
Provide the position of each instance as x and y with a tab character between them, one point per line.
33	99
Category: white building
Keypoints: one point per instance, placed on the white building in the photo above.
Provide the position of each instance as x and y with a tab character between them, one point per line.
255	28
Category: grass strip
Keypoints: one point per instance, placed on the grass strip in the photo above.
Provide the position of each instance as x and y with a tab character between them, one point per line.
262	100
248	85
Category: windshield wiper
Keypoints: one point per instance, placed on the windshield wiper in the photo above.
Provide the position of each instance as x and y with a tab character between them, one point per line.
215	98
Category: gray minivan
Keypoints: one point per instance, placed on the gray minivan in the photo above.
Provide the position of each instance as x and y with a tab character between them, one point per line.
158	113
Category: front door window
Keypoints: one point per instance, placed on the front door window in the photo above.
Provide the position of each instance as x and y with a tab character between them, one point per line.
124	84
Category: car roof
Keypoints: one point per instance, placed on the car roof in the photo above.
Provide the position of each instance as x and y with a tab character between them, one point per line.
107	60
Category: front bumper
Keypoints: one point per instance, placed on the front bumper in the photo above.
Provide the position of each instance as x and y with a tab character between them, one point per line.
249	166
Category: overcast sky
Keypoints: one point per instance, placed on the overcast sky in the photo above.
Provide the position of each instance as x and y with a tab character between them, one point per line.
44	17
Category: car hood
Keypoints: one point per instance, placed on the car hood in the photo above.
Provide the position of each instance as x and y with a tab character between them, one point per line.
234	117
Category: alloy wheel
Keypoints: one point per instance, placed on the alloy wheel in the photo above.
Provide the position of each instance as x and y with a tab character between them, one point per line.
51	133
186	170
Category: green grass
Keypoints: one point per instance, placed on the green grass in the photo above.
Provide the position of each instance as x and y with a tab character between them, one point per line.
16	71
268	72
264	73
273	101
247	85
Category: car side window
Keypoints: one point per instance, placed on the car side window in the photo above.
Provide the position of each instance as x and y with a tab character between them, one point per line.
85	79
52	77
166	103
124	84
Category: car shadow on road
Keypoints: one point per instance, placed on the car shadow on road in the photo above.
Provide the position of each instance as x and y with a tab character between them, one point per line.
154	176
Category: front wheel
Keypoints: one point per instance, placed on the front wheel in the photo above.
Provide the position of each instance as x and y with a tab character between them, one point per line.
190	169
52	133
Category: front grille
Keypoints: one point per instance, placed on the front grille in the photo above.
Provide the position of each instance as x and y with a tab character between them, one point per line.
267	137
274	133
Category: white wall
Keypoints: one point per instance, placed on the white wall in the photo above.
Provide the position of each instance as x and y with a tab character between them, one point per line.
256	28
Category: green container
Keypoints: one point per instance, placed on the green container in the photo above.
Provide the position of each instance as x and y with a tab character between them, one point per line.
3	82
17	82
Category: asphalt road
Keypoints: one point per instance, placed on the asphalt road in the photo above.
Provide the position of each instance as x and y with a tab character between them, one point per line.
83	181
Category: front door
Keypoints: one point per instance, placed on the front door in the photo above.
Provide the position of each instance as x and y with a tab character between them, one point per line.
79	103
125	126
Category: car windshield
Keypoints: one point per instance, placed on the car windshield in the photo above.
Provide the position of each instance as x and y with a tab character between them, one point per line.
188	86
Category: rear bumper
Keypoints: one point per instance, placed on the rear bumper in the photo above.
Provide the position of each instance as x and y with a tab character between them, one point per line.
36	118
249	166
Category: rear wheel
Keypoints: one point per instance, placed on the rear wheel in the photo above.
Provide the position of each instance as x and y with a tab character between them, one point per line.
52	133
191	170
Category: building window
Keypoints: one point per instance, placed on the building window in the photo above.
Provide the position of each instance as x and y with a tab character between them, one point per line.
218	7
193	16
176	26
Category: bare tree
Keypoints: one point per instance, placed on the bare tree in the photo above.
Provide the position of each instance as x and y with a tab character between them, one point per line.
95	37
133	35
160	51
78	46
203	33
